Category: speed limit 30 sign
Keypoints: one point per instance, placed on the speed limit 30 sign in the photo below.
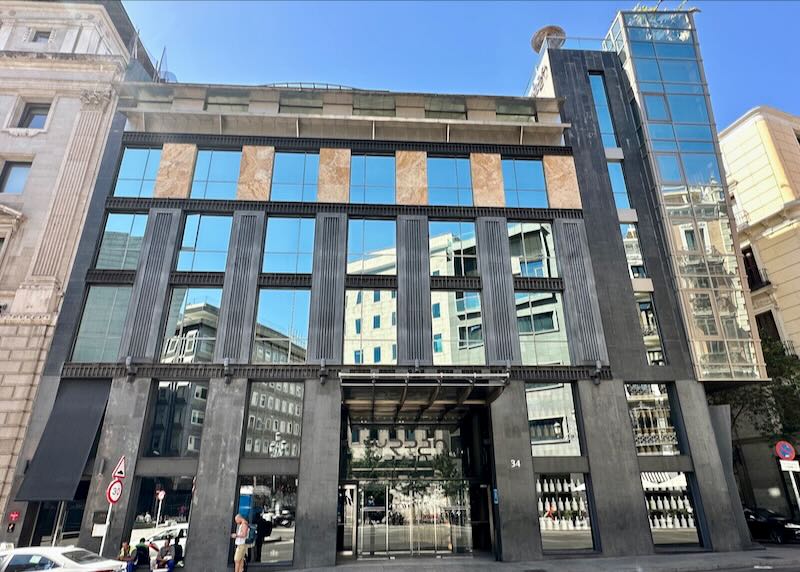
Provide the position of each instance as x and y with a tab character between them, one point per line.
114	491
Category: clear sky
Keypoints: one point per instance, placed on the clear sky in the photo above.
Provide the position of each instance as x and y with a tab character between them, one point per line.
749	48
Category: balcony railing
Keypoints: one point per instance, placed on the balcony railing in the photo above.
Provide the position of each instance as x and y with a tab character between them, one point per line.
757	278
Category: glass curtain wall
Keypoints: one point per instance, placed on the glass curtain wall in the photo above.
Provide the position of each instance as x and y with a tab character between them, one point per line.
659	51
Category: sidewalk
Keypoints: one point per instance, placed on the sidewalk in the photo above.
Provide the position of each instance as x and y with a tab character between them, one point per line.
780	558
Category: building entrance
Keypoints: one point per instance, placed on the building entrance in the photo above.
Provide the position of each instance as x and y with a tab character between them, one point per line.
415	477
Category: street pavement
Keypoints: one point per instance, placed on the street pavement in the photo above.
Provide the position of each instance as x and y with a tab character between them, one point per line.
778	558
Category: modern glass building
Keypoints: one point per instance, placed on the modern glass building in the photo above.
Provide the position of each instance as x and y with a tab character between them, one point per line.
382	325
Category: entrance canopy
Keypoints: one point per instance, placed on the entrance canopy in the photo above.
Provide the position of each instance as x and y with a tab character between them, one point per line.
389	398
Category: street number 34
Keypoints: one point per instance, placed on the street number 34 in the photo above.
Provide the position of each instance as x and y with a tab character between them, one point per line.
516	463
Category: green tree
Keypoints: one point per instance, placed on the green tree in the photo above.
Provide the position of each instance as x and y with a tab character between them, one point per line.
772	408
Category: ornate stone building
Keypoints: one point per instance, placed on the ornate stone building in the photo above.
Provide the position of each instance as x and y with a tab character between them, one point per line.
58	64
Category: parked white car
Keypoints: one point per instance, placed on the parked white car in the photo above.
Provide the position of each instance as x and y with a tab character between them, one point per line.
61	558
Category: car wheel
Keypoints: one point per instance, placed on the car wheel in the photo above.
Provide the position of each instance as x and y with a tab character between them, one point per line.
776	536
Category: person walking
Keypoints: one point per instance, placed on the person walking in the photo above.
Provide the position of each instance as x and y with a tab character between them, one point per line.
240	541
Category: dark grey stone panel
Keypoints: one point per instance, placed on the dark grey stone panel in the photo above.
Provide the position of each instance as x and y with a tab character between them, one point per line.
587	342
315	532
121	435
561	464
517	523
325	336
414	320
658	464
570	70
621	513
720	515
214	501
140	338
500	332
239	292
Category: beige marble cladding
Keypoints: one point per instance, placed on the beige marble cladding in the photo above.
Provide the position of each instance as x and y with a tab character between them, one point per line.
174	179
255	173
411	177
487	180
562	182
334	176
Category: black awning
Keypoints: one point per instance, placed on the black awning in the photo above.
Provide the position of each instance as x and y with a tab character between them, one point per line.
56	468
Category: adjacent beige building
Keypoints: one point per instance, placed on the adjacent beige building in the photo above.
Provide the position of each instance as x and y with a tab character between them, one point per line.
761	151
58	65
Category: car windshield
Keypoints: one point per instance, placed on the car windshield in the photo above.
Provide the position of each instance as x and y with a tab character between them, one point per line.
81	556
767	512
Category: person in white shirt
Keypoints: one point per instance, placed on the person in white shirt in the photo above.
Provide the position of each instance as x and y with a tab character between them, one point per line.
240	541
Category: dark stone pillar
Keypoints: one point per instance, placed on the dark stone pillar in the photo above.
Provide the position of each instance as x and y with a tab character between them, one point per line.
213	503
315	533
517	523
121	435
623	525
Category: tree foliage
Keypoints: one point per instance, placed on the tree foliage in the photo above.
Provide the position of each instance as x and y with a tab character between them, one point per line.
772	408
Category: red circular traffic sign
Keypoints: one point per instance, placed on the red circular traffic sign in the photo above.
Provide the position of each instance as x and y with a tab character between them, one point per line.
161	495
114	491
784	450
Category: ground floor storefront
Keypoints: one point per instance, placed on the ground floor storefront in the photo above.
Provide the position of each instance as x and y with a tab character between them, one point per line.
360	468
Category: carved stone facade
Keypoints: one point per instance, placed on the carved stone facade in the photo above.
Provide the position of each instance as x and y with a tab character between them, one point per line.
70	77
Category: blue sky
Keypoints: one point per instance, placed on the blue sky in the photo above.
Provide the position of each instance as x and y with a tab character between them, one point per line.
749	48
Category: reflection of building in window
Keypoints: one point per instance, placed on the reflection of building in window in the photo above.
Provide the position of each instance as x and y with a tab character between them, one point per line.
370	332
371	247
458	332
633	250
178	416
563	505
191	331
552	420
542	336
652	419
670	508
275	418
281	331
452	248
650	331
100	331
122	241
532	249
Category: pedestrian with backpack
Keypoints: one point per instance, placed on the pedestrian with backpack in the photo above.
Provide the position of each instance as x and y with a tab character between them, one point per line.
240	541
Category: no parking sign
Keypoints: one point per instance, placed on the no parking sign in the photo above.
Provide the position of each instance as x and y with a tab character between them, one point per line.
784	450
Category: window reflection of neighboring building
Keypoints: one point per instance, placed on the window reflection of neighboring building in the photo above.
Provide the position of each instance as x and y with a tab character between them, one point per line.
193	337
652	419
541	325
532	250
552	420
274	419
178	418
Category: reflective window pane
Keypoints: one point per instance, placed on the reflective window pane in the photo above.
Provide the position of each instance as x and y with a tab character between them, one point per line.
294	177
669	169
532	249
100	332
269	503
216	174
289	245
564	520
552	420
369	330
13	177
204	247
191	330
650	331
157	519
601	107
701	168
274	420
542	330
281	331
656	107
670	508
137	172
618	186
449	181
652	418
178	416
680	71
372	179
458	332
452	248
371	247
688	108
633	250
524	183
122	241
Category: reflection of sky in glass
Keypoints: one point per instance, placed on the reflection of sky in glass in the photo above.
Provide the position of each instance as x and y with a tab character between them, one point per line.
284	311
289	245
294	177
449	181
372	179
216	174
204	247
371	242
137	173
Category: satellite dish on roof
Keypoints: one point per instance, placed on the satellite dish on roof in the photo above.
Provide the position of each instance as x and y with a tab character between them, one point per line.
556	34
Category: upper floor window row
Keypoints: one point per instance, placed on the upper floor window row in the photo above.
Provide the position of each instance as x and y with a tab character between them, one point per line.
373	179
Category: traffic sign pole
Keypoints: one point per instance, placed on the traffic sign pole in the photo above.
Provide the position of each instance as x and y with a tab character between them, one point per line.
105	530
113	494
